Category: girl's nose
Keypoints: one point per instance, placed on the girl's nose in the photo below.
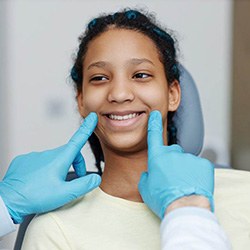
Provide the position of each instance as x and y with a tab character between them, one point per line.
120	92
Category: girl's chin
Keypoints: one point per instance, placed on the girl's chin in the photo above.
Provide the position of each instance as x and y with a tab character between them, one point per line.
126	145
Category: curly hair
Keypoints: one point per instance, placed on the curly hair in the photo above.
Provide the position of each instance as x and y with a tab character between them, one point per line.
144	23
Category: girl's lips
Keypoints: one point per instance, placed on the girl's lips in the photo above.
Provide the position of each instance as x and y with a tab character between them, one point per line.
123	119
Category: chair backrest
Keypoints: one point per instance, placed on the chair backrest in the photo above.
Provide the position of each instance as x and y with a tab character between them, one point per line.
188	118
190	131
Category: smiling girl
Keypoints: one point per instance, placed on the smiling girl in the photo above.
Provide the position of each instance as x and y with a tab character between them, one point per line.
125	68
123	81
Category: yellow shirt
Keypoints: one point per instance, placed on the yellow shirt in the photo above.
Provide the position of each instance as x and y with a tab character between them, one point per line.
232	205
96	221
99	221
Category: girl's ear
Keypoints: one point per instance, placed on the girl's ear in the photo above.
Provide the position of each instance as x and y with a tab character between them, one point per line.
174	96
80	103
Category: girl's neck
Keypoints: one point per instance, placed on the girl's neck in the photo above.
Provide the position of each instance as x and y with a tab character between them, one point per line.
122	174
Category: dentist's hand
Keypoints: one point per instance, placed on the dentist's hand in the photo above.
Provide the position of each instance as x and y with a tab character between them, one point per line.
172	174
35	182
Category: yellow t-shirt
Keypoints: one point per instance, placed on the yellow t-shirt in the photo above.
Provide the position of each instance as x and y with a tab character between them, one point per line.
232	205
96	221
100	221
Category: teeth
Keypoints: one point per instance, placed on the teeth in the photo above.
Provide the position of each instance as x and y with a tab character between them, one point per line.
123	117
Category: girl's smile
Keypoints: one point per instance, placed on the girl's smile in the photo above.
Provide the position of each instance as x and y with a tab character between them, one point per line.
125	120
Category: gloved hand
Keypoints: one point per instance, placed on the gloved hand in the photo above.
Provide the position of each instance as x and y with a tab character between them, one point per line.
172	174
35	182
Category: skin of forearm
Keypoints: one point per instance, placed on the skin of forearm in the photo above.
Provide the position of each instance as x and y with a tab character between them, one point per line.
189	201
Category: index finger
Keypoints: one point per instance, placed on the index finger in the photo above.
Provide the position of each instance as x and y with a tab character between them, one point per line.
155	130
81	136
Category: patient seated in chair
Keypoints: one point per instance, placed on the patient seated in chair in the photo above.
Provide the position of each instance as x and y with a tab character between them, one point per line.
125	68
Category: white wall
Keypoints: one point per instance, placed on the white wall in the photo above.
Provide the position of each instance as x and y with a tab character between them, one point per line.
41	36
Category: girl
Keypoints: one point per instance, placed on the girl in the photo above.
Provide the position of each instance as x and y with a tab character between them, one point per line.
125	68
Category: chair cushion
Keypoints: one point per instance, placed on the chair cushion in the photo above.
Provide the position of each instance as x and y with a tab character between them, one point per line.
188	118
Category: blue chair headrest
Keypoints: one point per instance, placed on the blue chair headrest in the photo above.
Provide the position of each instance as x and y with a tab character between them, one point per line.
188	118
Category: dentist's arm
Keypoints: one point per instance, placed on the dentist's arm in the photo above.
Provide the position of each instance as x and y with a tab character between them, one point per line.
35	182
178	187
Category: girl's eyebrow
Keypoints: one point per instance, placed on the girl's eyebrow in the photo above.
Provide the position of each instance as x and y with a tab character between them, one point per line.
99	64
134	61
137	61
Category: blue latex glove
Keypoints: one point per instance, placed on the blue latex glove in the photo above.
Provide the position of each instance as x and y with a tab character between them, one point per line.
172	174
35	182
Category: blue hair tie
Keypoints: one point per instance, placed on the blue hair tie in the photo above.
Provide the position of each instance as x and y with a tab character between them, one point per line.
175	69
74	74
131	14
158	32
114	16
163	34
92	24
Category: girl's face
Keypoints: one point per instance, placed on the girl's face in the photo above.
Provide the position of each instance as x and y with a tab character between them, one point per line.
123	81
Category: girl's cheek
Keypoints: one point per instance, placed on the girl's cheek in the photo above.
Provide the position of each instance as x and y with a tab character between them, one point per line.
155	98
93	101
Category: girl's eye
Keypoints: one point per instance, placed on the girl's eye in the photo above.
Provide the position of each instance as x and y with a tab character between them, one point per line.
98	79
142	76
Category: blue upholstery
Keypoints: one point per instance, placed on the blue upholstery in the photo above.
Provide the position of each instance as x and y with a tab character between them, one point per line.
188	118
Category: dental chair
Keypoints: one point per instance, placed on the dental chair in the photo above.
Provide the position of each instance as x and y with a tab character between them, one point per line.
190	131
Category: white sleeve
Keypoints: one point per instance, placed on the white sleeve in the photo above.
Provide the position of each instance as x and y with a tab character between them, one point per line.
192	228
6	224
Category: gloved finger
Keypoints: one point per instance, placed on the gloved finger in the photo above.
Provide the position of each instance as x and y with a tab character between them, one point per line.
174	148
81	186
154	130
81	136
79	165
142	182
